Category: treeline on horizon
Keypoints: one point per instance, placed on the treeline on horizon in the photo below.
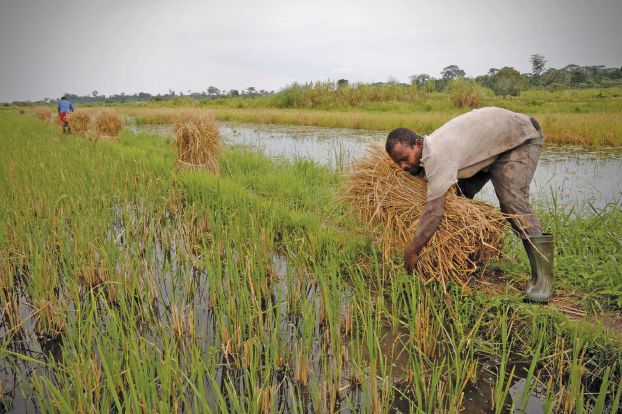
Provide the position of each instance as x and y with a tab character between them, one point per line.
504	81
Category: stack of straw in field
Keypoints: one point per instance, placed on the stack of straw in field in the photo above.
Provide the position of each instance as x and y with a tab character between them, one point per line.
380	193
79	121
108	124
198	141
43	114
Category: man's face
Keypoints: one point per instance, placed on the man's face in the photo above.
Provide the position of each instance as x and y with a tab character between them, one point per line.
408	157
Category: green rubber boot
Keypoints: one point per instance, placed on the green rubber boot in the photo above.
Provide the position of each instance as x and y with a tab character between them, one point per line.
540	251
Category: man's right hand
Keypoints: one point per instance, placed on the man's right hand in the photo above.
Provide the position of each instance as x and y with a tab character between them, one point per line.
410	260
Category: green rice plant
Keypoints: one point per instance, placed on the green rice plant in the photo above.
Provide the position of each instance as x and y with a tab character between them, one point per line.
171	294
502	384
530	379
616	392
376	393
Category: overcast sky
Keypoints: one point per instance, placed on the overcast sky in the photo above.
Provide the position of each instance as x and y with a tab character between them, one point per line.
50	47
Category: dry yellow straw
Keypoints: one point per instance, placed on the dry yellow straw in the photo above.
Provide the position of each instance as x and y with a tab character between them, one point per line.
43	114
79	121
198	141
108	124
380	193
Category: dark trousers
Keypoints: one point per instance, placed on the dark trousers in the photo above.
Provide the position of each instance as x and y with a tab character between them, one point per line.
511	174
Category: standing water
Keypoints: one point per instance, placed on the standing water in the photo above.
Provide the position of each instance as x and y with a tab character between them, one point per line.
571	175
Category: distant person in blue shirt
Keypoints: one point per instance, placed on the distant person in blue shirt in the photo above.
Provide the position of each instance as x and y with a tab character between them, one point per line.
64	106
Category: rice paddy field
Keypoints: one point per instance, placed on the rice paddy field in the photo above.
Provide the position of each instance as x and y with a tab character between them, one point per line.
130	285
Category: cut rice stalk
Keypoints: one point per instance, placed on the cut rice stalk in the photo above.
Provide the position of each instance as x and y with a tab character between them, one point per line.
381	194
198	141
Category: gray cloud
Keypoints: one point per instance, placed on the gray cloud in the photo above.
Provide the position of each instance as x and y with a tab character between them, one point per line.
51	47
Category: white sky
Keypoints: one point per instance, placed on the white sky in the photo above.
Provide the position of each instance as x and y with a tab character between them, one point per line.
77	46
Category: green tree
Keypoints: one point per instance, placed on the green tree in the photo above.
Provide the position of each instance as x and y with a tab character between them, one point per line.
578	76
556	77
614	73
595	72
213	91
420	80
537	64
507	81
452	72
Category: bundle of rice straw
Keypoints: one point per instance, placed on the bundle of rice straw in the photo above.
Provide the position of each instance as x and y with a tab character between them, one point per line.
43	114
380	193
79	121
108	124
198	141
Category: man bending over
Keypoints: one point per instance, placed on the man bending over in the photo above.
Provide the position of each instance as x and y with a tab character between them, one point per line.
485	144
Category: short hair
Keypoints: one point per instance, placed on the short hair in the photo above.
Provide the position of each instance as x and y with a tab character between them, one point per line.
64	97
403	136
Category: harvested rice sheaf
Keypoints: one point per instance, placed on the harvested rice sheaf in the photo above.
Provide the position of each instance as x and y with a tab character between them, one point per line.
108	124
79	121
43	114
198	141
380	193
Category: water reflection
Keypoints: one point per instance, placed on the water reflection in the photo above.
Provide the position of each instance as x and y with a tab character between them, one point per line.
570	174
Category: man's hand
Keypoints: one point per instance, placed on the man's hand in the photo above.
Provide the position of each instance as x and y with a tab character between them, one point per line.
410	259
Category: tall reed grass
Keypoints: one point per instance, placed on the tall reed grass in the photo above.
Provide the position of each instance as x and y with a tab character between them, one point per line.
465	93
586	129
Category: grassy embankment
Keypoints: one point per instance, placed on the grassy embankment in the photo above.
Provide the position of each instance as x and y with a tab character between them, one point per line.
167	293
588	117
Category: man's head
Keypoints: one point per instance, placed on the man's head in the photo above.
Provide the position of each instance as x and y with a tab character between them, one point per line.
63	98
405	147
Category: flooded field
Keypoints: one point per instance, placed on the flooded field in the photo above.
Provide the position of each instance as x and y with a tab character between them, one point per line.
572	175
38	355
127	285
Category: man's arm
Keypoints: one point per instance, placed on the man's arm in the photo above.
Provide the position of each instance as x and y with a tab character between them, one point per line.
428	223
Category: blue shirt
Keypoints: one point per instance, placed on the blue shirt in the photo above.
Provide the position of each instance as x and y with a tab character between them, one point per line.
64	106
